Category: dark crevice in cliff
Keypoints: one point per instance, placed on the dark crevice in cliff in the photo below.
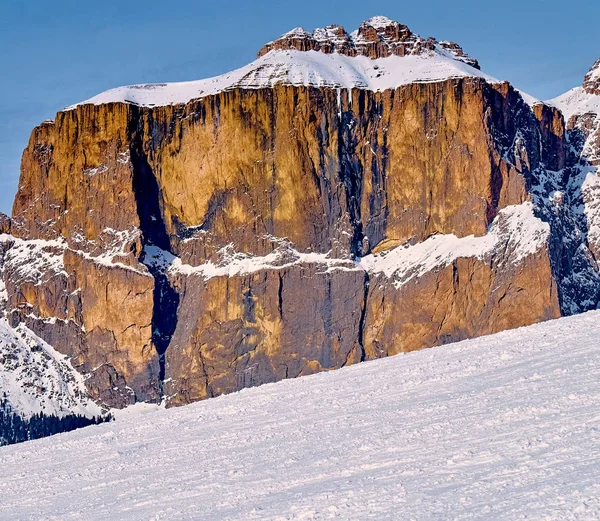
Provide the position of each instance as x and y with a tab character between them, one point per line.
363	319
205	376
147	196
280	296
376	221
154	233
164	316
351	175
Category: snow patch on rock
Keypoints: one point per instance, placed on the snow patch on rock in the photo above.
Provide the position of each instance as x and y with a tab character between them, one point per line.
34	260
232	263
515	231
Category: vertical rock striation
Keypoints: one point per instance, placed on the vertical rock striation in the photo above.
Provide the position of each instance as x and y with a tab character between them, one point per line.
289	222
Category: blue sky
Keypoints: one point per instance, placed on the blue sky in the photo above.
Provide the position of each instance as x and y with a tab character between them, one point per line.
55	53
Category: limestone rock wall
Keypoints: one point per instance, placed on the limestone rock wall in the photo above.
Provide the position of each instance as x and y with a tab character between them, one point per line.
316	179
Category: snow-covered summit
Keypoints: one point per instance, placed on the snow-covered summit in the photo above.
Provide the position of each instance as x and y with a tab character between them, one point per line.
581	100
298	68
379	22
380	55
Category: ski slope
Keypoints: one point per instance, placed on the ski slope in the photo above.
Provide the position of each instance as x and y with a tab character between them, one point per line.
504	427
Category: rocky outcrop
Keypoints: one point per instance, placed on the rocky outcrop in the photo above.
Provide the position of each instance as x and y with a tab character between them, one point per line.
272	230
345	312
99	315
378	37
581	108
591	82
236	332
383	168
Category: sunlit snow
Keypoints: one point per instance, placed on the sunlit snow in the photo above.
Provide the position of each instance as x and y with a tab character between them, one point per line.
298	68
503	427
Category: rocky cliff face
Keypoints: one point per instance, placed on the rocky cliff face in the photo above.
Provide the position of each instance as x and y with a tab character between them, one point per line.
301	214
581	109
591	82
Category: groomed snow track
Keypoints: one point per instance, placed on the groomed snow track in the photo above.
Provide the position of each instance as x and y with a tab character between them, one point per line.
503	427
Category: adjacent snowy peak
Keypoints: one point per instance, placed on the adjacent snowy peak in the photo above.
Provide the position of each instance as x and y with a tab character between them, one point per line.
377	37
581	109
380	55
576	102
581	100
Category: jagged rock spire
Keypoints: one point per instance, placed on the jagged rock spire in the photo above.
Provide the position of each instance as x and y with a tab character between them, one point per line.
377	37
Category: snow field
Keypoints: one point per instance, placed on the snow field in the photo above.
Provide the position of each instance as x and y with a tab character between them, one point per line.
503	427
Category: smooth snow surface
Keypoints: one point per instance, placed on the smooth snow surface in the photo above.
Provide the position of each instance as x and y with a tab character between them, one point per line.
298	68
503	427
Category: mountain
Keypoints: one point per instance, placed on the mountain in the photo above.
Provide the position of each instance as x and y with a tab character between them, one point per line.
344	197
500	427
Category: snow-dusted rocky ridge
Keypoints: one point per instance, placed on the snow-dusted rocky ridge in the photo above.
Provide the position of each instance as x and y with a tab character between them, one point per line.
40	392
322	59
298	68
502	427
581	109
516	229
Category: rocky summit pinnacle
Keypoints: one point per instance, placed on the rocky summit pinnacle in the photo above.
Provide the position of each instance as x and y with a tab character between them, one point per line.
377	37
591	82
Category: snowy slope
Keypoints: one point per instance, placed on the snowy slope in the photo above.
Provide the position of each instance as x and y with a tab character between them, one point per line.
34	378
576	102
298	68
499	428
